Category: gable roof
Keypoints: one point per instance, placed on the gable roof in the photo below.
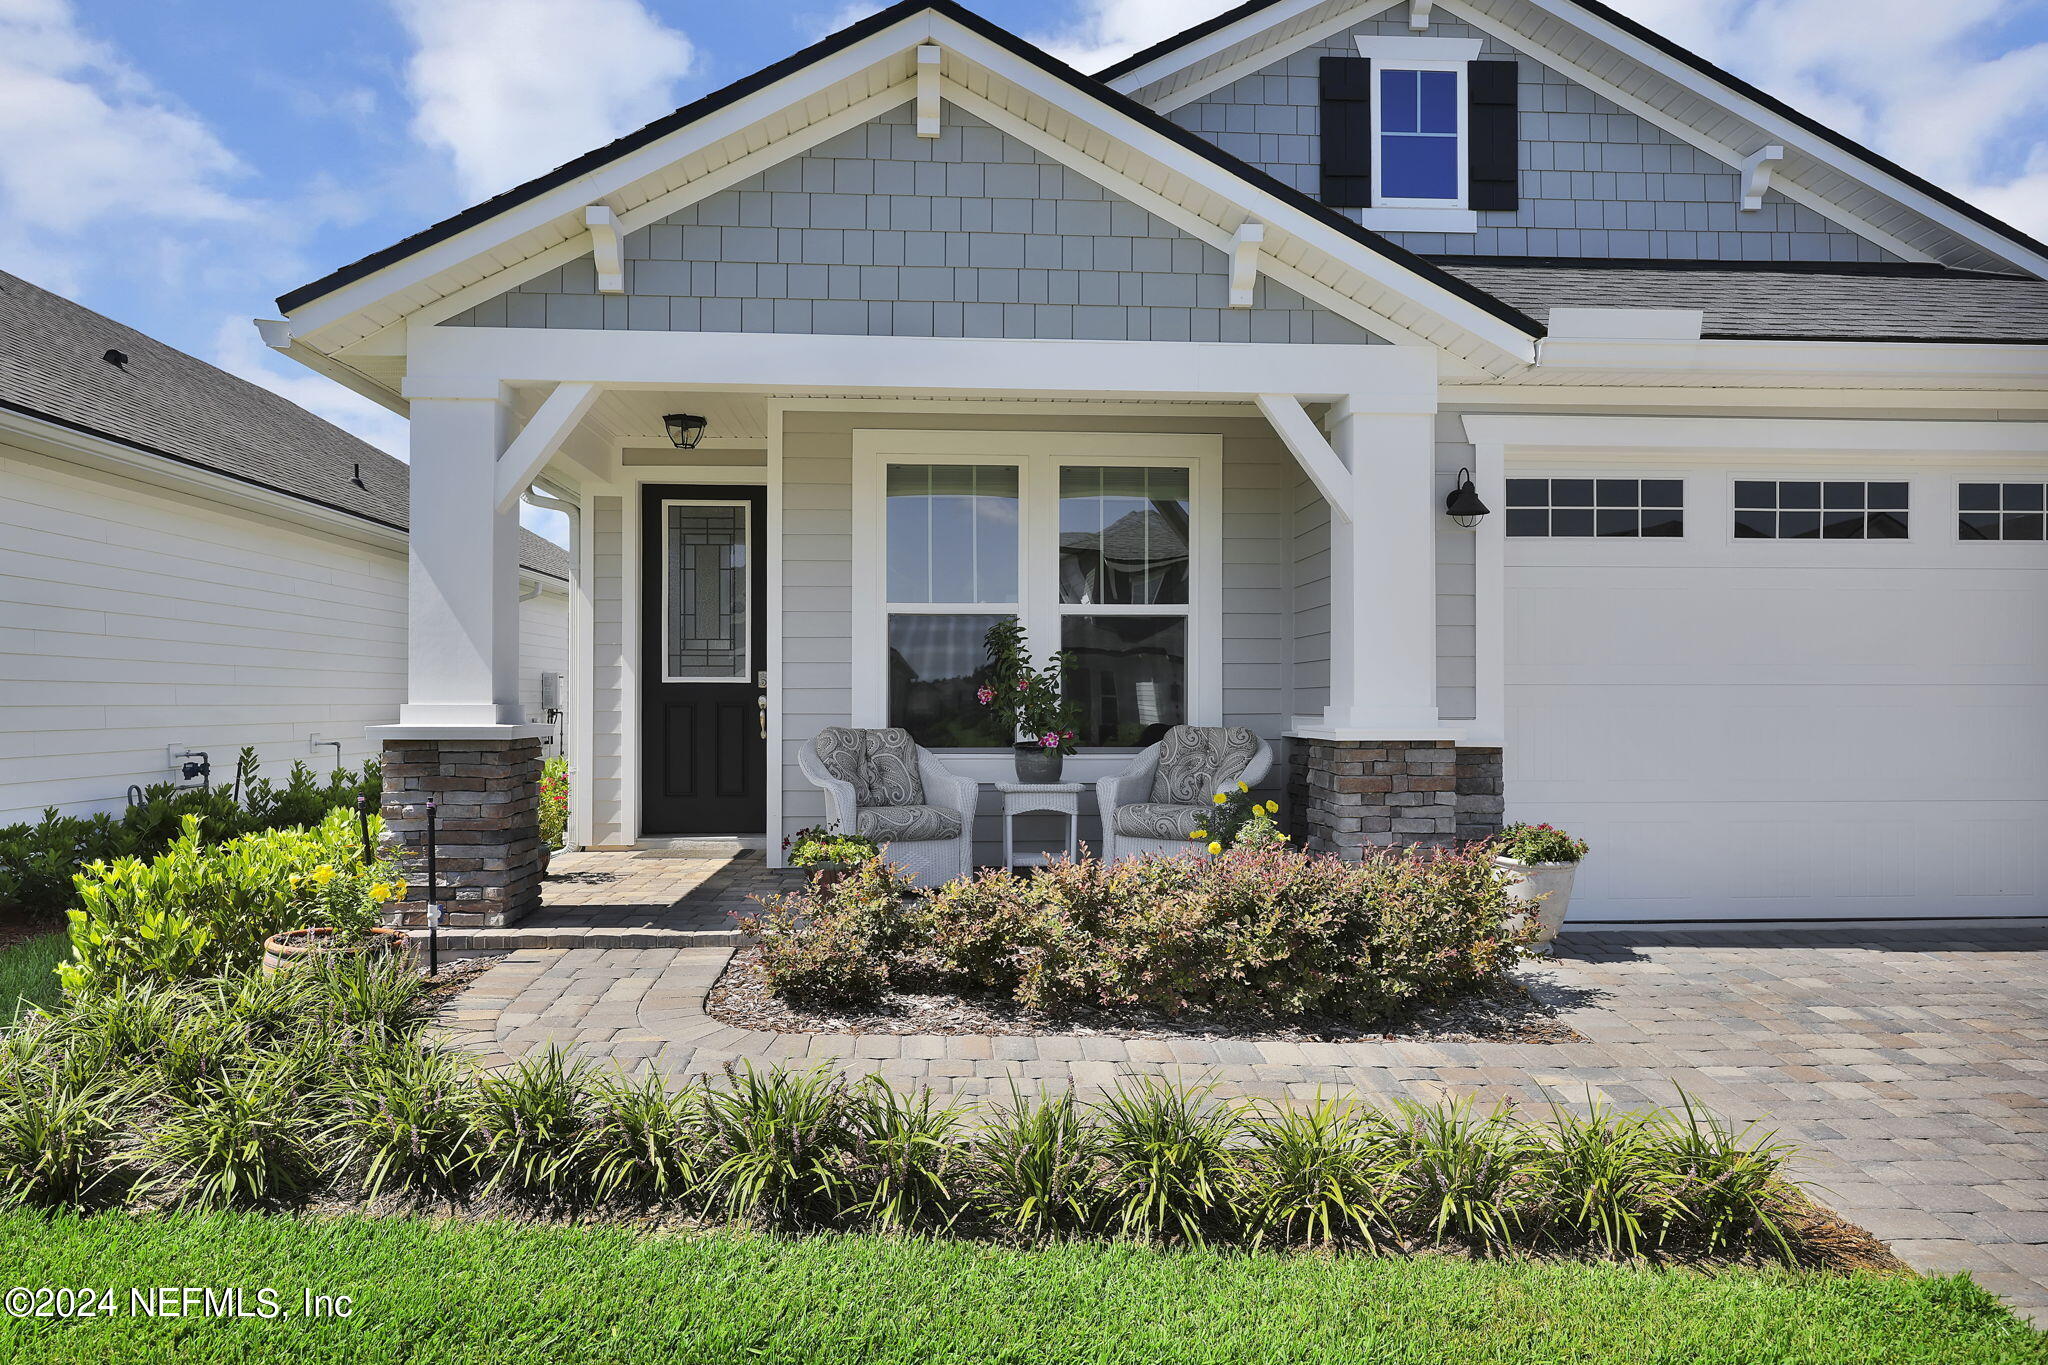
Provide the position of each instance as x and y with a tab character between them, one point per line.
1782	301
165	403
849	37
1587	15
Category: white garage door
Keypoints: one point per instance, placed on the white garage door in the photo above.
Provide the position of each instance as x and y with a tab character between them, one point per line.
1767	729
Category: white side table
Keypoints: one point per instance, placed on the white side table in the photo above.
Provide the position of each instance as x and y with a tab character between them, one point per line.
1058	798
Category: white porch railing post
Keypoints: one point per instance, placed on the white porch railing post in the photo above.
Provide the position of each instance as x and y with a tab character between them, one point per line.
463	575
1383	575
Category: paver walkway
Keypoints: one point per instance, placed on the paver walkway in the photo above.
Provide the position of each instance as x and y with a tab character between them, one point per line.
1911	1064
651	898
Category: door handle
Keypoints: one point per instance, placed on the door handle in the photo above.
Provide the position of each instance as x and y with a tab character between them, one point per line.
763	703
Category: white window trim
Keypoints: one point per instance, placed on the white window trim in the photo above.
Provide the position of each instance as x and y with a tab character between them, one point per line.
1039	456
746	673
1462	139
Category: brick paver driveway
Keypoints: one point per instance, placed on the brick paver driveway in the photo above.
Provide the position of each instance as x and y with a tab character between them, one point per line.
1912	1064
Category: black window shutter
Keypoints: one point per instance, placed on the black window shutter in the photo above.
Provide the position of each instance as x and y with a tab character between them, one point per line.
1347	132
1493	136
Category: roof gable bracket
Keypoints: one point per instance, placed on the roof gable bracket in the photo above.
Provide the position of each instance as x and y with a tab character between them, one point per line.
1418	14
929	123
1756	175
1244	262
604	248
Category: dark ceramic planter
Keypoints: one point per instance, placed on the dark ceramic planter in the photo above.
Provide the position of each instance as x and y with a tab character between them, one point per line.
1038	765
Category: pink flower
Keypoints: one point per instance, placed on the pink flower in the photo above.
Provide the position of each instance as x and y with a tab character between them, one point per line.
1049	740
985	694
1024	683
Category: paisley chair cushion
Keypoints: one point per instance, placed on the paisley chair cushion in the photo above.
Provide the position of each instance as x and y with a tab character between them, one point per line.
908	823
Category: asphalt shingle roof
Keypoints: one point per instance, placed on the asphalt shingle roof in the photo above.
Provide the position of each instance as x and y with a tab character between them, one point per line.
167	403
1894	303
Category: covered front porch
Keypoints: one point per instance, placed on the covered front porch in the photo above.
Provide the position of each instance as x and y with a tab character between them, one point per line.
1235	534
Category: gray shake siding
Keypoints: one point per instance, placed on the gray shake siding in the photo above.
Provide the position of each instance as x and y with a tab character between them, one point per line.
610	686
879	232
1595	181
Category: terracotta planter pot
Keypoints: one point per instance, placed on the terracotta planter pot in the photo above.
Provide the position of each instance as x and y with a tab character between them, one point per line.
1544	890
305	945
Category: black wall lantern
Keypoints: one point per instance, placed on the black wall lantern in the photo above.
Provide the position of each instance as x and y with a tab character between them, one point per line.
1463	505
684	431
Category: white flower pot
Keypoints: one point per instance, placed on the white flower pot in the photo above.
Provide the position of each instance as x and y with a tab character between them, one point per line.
1545	890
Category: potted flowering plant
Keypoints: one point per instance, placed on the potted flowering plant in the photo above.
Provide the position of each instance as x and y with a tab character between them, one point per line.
1540	862
341	905
828	855
1041	719
1241	820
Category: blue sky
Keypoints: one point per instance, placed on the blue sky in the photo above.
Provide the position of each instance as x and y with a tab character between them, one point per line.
178	163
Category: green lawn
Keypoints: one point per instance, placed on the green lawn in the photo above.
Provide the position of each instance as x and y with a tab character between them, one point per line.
28	974
487	1293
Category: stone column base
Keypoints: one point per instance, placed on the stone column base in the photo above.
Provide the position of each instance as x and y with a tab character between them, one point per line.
1348	796
487	836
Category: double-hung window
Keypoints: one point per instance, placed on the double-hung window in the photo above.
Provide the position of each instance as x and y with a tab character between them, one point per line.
1096	551
1419	113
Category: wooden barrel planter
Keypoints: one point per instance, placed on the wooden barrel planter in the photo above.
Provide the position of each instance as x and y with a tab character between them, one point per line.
294	946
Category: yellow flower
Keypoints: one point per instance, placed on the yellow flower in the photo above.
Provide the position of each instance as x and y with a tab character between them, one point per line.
1215	848
1281	837
295	879
1272	808
381	891
1242	787
323	874
1199	834
1219	798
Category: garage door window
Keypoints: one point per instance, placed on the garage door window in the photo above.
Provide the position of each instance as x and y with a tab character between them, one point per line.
1569	508
1813	509
2001	511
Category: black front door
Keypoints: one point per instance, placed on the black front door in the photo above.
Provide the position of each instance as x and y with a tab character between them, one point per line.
704	660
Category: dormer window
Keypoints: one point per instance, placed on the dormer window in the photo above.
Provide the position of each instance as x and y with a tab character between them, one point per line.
1419	114
1419	134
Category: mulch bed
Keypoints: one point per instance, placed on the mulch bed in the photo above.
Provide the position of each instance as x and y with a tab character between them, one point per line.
456	976
18	927
1523	1010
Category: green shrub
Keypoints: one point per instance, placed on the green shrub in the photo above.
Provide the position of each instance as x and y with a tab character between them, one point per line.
39	861
554	801
1254	932
401	1123
1465	1175
832	946
647	1139
1317	1176
201	908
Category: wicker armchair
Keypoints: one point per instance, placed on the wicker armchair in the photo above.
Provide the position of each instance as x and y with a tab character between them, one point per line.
1167	792
882	785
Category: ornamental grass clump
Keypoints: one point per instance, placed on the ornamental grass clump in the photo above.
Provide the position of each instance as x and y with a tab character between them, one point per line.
647	1139
1035	1163
531	1121
1318	1175
783	1139
58	1123
909	1154
1169	1165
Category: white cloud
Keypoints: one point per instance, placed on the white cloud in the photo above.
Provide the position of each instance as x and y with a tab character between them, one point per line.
87	143
512	88
816	26
1928	86
1109	29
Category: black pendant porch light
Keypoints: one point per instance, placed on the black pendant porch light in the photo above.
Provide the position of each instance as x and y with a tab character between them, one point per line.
684	430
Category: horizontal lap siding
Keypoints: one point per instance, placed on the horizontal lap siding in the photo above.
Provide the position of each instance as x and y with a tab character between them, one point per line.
543	648
1309	610
133	617
817	596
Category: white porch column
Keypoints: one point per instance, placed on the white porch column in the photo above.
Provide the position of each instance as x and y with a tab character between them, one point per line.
1383	575
463	574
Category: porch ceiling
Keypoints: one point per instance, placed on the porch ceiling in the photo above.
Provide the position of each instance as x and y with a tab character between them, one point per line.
633	417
